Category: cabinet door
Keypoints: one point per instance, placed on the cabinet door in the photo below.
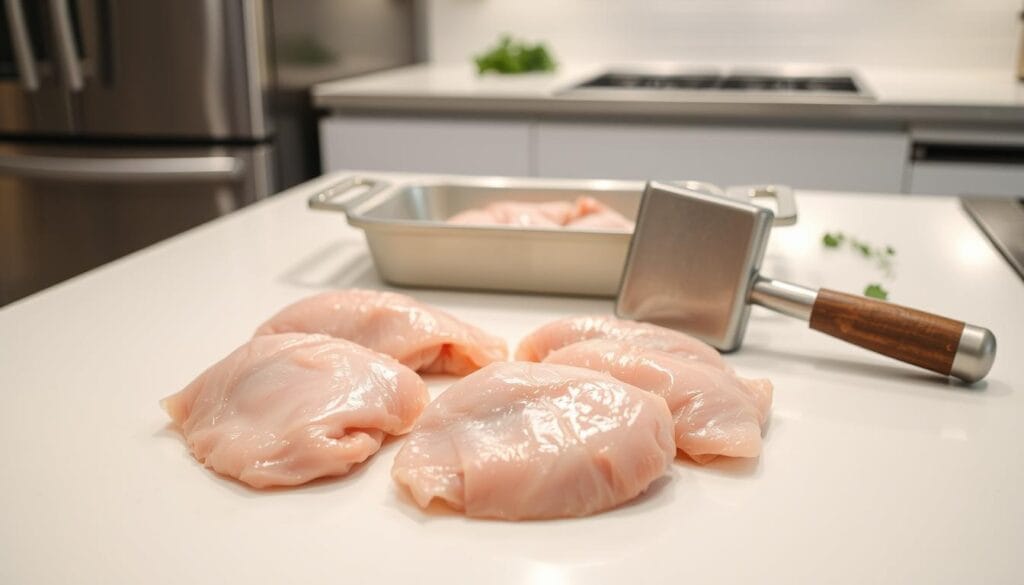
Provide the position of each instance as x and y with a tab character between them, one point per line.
848	160
966	178
433	145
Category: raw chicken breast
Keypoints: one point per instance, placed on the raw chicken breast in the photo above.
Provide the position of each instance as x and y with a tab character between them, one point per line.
716	412
521	440
287	409
603	220
557	334
583	213
592	214
420	336
517	213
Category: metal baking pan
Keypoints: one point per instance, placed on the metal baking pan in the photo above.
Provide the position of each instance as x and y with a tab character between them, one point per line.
412	245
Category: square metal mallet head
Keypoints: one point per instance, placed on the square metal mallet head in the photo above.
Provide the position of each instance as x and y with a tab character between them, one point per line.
693	266
692	261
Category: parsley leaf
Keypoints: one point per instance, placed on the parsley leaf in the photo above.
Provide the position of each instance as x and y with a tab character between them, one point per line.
876	291
832	240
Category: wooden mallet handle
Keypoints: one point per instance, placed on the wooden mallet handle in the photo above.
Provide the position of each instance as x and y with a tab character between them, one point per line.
951	348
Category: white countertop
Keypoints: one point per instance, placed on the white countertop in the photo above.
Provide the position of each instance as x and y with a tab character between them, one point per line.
872	471
930	95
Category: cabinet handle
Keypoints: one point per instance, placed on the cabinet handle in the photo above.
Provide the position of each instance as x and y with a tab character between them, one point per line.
200	168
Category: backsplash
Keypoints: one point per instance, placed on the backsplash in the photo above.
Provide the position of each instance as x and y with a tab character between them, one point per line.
899	33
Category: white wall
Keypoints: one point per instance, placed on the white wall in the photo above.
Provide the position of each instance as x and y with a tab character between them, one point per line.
900	33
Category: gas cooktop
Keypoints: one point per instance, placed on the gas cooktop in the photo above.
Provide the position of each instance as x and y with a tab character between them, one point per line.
718	85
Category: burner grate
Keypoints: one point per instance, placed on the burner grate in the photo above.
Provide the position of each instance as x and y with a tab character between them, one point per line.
711	82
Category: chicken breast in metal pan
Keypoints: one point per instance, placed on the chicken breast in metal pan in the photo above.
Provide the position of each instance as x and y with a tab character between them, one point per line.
582	213
517	213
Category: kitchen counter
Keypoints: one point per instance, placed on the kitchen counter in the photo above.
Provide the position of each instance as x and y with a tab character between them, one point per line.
977	97
872	471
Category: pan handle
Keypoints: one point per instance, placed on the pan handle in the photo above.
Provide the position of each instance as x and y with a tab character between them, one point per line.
785	203
699	187
342	196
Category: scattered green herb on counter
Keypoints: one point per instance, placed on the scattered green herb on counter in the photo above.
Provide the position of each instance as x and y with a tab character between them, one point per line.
875	290
513	56
832	240
881	254
864	249
882	257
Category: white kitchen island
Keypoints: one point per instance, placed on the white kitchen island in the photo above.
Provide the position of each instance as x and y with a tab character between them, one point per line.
872	472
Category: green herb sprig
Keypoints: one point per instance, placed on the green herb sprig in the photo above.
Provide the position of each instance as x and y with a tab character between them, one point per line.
513	56
876	290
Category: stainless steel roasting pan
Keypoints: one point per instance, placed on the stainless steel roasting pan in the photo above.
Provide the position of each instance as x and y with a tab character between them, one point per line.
412	245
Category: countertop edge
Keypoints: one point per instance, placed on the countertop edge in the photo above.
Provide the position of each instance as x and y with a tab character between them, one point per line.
561	107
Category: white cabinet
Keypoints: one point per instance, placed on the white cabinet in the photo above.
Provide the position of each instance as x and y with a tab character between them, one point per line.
805	158
959	161
831	159
966	178
428	145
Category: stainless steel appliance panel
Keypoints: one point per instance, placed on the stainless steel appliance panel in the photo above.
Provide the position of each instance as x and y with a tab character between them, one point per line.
66	210
32	96
187	68
1002	220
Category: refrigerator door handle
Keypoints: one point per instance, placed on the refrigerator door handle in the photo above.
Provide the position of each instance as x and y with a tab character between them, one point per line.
67	47
22	45
192	169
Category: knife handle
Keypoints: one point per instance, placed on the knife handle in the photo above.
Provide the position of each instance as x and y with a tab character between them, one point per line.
933	342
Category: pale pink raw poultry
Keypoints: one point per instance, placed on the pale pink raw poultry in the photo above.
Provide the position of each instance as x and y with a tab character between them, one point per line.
602	220
592	214
716	412
287	409
517	213
583	213
422	337
521	440
557	334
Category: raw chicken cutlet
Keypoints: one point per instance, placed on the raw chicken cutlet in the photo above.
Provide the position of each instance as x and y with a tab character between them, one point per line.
558	334
287	409
517	441
583	213
422	337
715	411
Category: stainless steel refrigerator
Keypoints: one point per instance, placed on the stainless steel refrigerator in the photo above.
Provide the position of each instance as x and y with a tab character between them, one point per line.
123	122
